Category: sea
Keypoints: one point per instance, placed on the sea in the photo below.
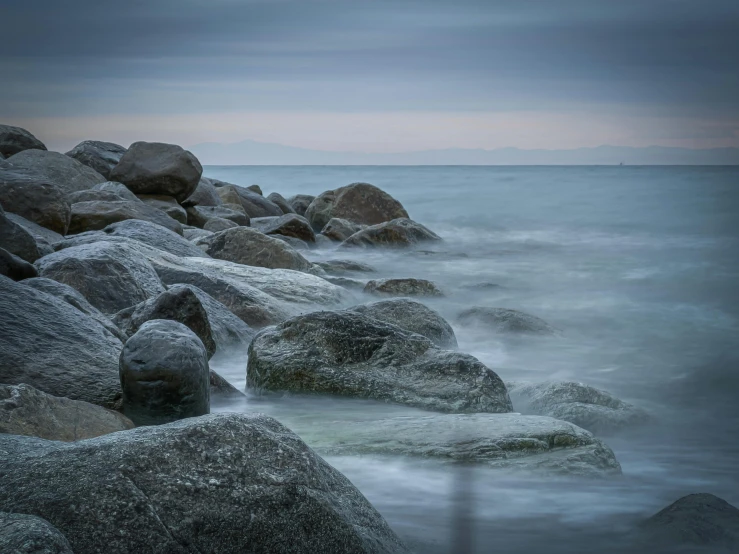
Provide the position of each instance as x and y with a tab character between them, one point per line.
636	266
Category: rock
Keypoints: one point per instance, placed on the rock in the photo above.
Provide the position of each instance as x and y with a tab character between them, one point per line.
167	204
158	168
66	173
217	224
341	267
35	198
45	238
93	195
220	388
297	244
277	199
340	229
358	203
222	483
256	188
110	276
396	233
73	298
17	241
27	411
289	225
347	283
24	534
164	374
16	139
100	156
347	353
697	520
192	234
324	242
255	205
205	194
503	320
117	188
402	287
92	216
585	406
248	246
54	347
14	267
227	193
300	203
198	216
414	317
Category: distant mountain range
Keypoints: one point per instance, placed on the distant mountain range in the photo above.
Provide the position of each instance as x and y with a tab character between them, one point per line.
251	152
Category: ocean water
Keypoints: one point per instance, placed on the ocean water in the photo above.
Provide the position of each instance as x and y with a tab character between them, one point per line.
638	267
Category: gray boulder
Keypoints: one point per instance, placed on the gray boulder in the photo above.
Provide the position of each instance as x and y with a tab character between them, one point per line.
414	317
347	353
358	202
342	267
167	204
27	411
54	347
339	230
66	173
35	198
222	483
300	203
193	233
94	195
45	238
164	374
402	287
24	534
503	320
289	225
217	224
297	244
18	241
100	156
205	194
110	276
254	204
256	188
17	139
117	188
248	246
14	267
158	168
95	215
347	283
198	216
397	233
279	200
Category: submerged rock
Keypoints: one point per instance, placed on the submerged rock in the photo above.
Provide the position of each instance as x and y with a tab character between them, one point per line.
402	287
503	320
25	534
277	199
36	198
100	156
347	283
65	172
341	267
300	202
96	215
248	246
224	483
17	139
289	225
395	233
14	267
167	204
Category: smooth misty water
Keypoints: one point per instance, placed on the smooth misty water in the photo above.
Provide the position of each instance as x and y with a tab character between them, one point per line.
639	268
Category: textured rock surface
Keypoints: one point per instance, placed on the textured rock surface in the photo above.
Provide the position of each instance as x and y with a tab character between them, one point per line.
117	188
340	229
358	202
224	484
350	354
167	204
193	233
14	267
24	534
96	215
279	200
35	198
254	204
503	320
94	195
289	225
100	156
218	224
66	173
205	194
54	347
17	139
158	168
342	267
45	237
20	242
25	410
198	216
300	203
248	246
402	287
395	233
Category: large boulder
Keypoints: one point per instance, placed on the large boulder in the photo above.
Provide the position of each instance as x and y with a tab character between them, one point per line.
110	276
24	534
45	238
503	320
35	198
205	194
397	233
54	347
350	354
402	287
279	200
63	171
100	156
16	139
18	241
248	246
585	406
289	225
339	230
117	188
158	168
358	202
25	410
300	203
222	483
167	204
14	267
95	215
198	216
414	317
254	204
164	374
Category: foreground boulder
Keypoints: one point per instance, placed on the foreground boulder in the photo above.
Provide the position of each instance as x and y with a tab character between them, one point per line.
350	354
277	199
254	204
225	484
340	229
414	317
100	156
199	216
54	347
35	198
96	215
167	204
395	233
205	194
24	534
14	267
300	202
358	202
25	410
289	225
17	139
63	171
158	168
248	246
585	406
402	287
503	320
164	374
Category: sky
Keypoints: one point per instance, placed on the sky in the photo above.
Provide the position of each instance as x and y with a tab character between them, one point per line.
374	75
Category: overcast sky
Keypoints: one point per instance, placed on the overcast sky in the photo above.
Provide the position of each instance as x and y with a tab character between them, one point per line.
376	76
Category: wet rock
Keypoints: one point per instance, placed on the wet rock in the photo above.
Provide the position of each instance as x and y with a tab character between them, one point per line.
35	198
117	188
248	246
92	216
17	241
402	287
17	139
25	534
217	224
27	411
110	276
66	173
358	203
158	168
341	267
414	317
198	216
396	234
254	204
100	156
14	267
349	354
55	348
279	200
340	229
205	195
503	320
300	203
190	486
289	225
167	204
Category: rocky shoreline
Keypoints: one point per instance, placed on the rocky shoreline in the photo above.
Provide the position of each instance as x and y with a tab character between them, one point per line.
125	270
